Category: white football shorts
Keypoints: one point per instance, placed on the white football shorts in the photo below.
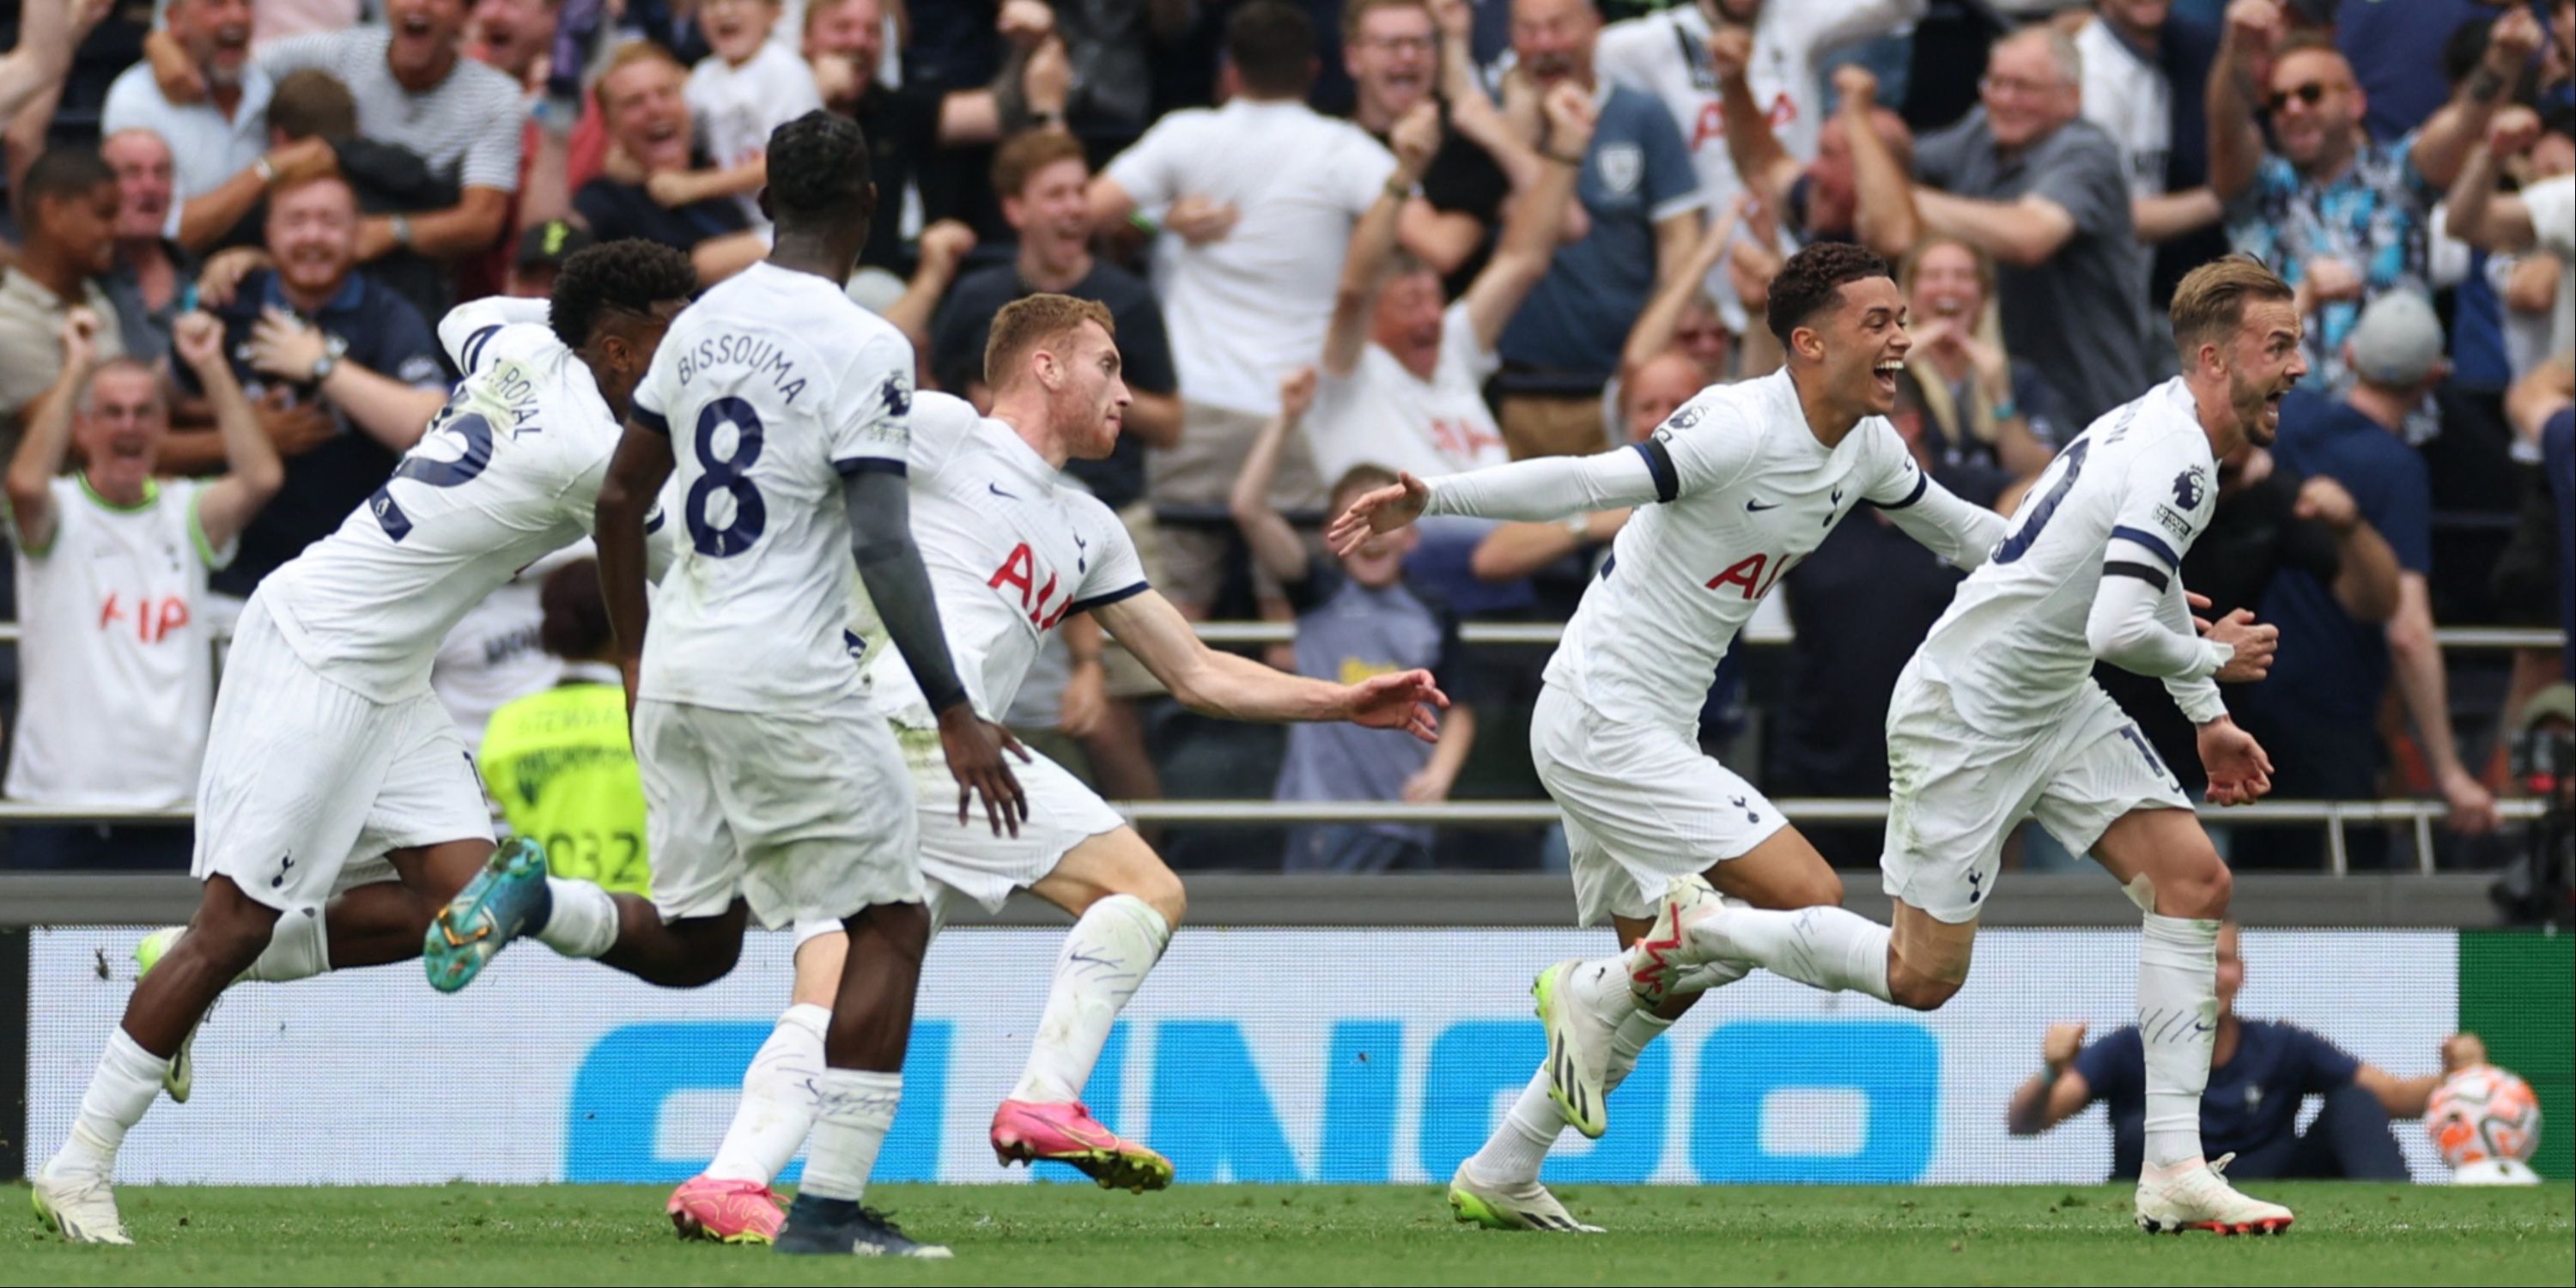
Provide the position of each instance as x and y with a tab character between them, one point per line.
1642	804
805	814
969	861
307	784
1956	792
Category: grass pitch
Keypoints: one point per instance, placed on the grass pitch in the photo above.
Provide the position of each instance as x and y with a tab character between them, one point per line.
1050	1234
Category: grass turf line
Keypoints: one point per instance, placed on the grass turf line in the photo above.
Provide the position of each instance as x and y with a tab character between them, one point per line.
471	1234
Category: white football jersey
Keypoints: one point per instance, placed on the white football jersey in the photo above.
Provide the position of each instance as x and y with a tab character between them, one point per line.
1666	55
2137	486
2132	100
1013	545
772	387
508	472
1747	493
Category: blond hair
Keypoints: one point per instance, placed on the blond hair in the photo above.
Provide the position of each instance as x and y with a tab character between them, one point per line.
1026	325
2210	303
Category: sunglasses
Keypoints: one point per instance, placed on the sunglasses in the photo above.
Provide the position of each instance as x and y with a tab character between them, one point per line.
2311	94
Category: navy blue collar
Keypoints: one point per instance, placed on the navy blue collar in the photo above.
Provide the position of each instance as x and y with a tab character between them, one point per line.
351	293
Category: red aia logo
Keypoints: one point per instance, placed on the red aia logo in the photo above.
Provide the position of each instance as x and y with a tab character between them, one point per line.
154	619
1020	569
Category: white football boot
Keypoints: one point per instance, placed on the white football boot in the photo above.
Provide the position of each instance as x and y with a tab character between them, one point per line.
2194	1196
1578	1047
1512	1207
81	1208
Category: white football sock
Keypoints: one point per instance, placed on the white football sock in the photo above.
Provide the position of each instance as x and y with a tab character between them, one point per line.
584	920
856	1107
123	1088
2178	1025
778	1099
1105	957
1601	987
299	948
1827	948
1519	1144
1628	1041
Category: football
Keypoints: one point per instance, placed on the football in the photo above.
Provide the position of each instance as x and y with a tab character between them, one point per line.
2484	1120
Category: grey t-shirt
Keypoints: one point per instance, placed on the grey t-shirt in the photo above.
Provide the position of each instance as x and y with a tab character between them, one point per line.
2081	317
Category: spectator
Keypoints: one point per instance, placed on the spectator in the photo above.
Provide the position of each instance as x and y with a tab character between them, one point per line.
558	761
2541	217
648	123
1826	198
2259	1078
150	270
414	90
1393	50
2386	46
321	334
67	208
911	124
388	179
217	126
1356	617
1972	404
1652	392
514	37
739	93
1718	64
1262	194
111	580
2268	520
541	253
2028	181
2317	712
2340	217
1642	204
2134	53
2542	407
1400	377
1682	316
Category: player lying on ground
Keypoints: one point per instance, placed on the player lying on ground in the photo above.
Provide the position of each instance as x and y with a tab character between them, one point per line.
1740	483
1014	549
1998	719
338	809
772	787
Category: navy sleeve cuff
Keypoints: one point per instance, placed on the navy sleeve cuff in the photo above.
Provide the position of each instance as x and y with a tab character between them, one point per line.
869	465
1922	482
2152	542
1659	463
1105	600
2148	573
474	346
648	418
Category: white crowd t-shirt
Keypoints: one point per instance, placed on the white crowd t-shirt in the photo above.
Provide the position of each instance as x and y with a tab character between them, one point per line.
1382	414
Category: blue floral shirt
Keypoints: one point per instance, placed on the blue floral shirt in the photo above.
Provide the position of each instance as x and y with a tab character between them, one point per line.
2372	216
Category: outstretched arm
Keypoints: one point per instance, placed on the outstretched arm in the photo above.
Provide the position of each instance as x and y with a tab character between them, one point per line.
1237	688
1961	533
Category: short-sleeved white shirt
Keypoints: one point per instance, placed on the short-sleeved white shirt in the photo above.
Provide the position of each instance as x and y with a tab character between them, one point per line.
2131	99
1746	490
2552	203
1666	55
2137	485
1014	546
737	107
508	472
772	387
117	681
1246	308
206	147
1382	414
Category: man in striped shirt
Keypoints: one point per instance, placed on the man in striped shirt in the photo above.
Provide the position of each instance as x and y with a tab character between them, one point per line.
415	90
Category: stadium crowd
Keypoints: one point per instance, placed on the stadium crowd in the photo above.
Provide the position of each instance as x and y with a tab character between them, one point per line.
1339	238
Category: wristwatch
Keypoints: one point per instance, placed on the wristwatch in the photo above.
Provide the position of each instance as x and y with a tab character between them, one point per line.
332	347
401	225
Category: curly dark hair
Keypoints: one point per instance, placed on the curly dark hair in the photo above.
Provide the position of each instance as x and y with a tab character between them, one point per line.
629	275
1812	281
818	166
576	612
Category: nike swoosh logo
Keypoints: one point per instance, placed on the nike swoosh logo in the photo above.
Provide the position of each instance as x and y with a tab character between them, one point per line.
1758	506
997	491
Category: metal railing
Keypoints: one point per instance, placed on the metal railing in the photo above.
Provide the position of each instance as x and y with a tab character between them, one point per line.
2335	815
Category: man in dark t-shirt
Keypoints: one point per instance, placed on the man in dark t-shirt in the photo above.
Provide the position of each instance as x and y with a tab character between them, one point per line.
1394	54
2261	1073
648	119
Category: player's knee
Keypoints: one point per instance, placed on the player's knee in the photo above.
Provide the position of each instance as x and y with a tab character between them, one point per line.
1824	889
2202	889
1163	893
1920	992
712	959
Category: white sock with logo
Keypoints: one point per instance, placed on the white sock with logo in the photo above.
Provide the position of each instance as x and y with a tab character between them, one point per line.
1827	948
2178	1025
128	1079
856	1107
778	1099
584	921
1105	958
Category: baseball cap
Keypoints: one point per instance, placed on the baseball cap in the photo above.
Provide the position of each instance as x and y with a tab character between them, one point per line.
2398	341
551	243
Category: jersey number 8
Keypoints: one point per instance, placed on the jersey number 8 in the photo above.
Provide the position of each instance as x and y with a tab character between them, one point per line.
729	475
2018	544
477	433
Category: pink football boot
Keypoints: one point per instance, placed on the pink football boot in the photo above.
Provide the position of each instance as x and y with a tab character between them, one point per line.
726	1211
1029	1131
